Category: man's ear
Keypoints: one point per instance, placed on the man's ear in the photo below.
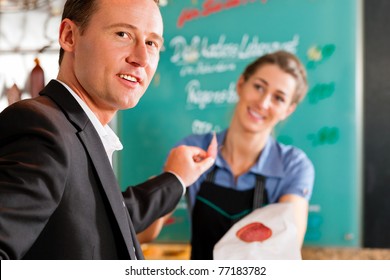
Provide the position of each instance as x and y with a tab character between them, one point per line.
67	33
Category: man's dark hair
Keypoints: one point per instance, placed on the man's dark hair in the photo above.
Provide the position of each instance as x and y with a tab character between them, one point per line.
79	11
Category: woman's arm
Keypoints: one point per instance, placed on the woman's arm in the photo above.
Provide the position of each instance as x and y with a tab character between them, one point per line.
301	210
151	232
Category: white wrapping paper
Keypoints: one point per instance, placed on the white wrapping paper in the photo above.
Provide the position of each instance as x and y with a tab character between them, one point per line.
277	231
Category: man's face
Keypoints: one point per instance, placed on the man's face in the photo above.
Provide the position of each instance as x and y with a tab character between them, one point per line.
117	55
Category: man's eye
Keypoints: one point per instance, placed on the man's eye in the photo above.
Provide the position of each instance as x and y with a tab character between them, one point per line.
152	44
122	34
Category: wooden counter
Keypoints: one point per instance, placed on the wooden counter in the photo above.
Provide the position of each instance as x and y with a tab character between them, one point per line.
158	251
318	253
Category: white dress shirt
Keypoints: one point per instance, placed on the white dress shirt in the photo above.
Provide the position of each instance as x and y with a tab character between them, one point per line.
110	140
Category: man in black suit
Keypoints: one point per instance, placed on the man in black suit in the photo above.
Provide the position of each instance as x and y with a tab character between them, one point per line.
59	198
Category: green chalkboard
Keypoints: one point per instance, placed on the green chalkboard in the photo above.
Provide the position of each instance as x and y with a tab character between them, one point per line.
207	45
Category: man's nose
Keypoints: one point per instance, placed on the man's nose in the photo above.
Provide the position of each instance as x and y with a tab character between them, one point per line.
138	55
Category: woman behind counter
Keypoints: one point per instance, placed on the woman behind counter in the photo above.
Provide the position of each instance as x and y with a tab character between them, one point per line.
252	169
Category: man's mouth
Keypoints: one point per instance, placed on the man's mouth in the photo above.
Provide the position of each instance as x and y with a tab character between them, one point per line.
128	78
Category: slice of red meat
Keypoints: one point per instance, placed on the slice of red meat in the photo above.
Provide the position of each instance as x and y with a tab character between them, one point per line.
254	232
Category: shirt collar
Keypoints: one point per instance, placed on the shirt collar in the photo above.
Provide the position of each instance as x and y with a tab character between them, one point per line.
110	140
269	164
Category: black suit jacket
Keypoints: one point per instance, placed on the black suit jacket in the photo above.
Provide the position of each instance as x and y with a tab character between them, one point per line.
59	198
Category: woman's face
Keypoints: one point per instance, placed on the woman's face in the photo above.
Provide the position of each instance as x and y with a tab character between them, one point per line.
265	98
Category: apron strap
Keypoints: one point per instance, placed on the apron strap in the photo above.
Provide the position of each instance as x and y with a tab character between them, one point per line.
210	177
259	194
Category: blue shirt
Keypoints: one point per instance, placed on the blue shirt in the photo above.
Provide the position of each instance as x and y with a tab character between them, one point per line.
287	170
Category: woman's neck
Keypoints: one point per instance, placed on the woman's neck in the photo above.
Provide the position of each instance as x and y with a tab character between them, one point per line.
241	149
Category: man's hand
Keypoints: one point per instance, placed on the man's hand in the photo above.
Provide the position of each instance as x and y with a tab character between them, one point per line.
190	162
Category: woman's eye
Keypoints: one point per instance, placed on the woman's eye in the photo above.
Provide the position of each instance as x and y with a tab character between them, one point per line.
259	87
279	98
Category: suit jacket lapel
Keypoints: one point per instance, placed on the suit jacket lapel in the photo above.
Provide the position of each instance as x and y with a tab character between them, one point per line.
94	146
110	186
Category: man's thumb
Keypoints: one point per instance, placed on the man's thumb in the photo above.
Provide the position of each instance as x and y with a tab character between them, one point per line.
206	164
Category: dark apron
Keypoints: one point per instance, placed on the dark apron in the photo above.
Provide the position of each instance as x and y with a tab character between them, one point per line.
216	209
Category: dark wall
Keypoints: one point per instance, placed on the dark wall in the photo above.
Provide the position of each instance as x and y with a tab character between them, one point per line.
377	123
